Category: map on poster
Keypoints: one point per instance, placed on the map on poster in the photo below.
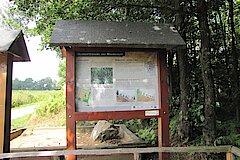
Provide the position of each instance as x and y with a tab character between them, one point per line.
117	83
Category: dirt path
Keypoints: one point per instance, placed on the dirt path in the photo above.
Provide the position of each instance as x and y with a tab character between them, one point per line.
49	137
16	113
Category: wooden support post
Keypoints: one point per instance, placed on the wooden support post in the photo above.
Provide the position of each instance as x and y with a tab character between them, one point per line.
163	121
230	156
8	105
3	79
70	101
137	156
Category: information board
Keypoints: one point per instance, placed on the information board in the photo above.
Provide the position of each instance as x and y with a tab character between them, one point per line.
117	83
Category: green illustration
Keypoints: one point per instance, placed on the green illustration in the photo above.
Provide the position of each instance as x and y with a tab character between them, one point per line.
85	95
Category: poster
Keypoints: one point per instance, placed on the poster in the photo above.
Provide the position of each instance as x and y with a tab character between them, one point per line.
117	83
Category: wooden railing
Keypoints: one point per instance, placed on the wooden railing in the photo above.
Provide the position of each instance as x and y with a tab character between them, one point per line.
231	152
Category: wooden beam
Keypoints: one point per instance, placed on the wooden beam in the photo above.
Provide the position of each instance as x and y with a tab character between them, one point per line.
64	52
105	152
163	122
70	101
8	105
235	151
112	115
107	49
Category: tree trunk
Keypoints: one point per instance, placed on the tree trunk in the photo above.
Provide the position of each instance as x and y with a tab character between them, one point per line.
183	120
209	110
234	77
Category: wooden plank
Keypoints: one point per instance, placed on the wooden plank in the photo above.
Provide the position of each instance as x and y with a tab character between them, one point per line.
16	133
235	151
107	49
163	122
70	101
8	105
31	149
101	152
3	79
111	115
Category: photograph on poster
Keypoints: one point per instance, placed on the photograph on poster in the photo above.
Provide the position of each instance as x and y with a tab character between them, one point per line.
126	95
101	75
146	95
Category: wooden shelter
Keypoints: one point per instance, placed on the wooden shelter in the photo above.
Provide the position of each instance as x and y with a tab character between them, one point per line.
12	49
116	70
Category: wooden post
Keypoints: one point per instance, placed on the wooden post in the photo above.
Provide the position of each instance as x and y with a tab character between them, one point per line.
3	79
230	156
70	101
8	105
137	156
163	121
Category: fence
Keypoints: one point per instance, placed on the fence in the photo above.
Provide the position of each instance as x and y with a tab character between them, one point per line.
231	152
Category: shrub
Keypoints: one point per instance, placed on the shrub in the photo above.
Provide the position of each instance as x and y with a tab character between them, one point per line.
21	97
52	105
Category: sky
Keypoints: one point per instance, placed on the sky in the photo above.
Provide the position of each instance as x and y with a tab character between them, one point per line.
43	63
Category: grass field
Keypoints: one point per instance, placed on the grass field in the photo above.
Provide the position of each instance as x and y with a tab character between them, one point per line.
51	111
25	97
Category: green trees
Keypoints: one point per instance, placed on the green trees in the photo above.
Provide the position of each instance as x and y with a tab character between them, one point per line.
204	77
30	84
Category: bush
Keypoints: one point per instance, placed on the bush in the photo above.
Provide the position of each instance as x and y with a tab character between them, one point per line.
21	97
53	104
228	133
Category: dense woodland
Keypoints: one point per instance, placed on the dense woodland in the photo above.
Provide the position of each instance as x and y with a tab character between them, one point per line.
204	92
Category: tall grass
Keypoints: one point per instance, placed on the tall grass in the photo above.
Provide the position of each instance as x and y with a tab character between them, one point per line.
25	97
53	104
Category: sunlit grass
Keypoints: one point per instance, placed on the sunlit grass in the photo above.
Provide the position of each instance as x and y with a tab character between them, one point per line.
21	122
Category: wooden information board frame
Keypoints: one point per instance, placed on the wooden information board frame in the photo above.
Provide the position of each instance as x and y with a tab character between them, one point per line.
73	116
76	37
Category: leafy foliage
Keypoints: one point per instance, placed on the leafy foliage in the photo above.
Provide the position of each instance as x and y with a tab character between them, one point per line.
30	84
22	98
53	104
25	97
62	73
230	134
145	129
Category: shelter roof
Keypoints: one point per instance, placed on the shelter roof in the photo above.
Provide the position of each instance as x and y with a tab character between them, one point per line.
12	42
115	34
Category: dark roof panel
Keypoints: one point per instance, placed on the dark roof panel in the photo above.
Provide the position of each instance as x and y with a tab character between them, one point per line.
12	42
115	34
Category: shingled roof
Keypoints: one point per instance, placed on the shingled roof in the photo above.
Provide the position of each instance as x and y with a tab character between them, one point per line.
12	42
115	34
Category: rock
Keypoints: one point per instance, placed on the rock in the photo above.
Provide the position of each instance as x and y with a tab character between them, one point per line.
104	131
108	134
